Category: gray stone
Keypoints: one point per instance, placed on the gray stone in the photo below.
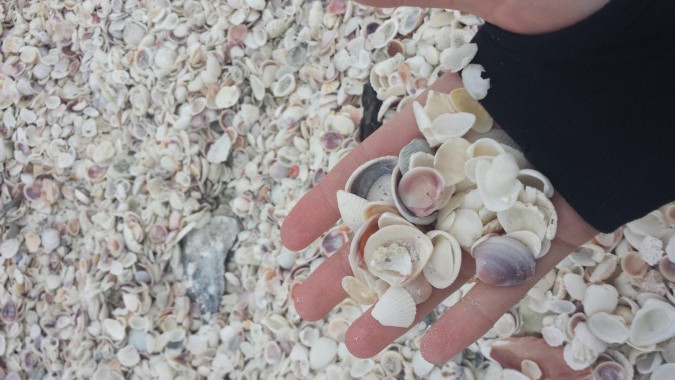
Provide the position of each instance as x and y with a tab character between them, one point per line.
204	254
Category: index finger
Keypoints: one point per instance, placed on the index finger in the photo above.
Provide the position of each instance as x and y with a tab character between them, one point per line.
317	210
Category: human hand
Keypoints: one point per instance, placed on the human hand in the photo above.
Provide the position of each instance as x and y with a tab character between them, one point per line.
517	16
464	322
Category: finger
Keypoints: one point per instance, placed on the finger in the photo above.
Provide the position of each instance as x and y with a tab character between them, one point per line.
366	336
322	290
477	312
317	210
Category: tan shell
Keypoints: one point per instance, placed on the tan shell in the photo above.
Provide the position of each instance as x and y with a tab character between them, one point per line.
463	102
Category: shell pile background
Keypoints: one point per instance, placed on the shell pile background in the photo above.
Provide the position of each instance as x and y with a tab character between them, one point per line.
129	125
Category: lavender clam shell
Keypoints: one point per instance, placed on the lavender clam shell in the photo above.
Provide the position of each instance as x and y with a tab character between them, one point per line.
503	261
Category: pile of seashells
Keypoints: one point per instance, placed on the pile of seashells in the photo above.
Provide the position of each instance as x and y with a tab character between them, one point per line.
129	125
413	214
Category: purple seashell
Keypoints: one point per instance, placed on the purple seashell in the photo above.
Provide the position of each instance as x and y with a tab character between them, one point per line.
503	261
421	190
331	141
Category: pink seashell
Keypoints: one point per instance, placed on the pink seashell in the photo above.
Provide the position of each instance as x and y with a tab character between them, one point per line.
157	234
236	33
421	190
336	7
503	261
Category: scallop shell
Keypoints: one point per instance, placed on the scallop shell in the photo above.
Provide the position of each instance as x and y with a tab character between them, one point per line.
351	208
395	308
475	85
397	254
653	323
372	180
608	328
443	266
502	261
463	102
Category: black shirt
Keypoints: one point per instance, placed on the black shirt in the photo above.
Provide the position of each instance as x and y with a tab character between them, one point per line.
592	106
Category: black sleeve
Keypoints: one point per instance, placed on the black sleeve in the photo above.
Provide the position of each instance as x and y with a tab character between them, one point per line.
592	106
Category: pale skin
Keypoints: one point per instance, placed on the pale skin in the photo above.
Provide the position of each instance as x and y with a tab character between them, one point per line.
317	211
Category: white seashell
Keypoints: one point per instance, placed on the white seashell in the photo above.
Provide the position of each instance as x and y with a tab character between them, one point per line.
604	269
599	298
358	291
664	372
65	160
670	249
649	225
395	308
455	59
361	368
220	150
475	85
497	183
128	356
50	239
257	87
533	178
646	363
450	159
575	285
104	152
438	103
419	289
227	97
529	239
352	209
114	329
522	217
584	348
397	254
463	102
652	324
651	250
420	366
443	127
212	70
9	248
560	306
485	147
421	160
467	227
608	328
384	33
443	266
531	369
391	219
322	353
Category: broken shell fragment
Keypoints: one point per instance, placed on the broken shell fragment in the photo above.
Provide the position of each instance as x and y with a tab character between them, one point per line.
446	259
503	261
474	83
372	180
397	254
395	308
421	191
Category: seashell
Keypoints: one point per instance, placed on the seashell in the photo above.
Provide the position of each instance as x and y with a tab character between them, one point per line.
667	269
51	239
420	366
357	249
397	254
401	208
114	329
531	369
450	160
9	248
358	291
533	178
351	208
391	219
419	289
497	183
414	146
438	103
649	225
128	356
652	324
383	34
605	269
575	285
485	147
454	59
608	328
422	160
361	367
463	102
391	362
446	259
602	297
219	151
584	348
663	372
502	261
670	248
444	126
333	241
322	353
529	239
467	227
372	180
227	97
475	85
378	208
395	308
421	191
651	250
609	371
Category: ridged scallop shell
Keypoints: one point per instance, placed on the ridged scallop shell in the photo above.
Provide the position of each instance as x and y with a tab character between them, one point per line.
395	308
351	208
502	261
372	180
397	254
463	102
443	266
654	323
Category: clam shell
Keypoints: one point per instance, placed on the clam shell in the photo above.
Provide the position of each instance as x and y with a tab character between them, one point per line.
395	308
421	191
391	219
602	297
322	353
455	59
652	324
419	289
475	85
467	227
450	159
400	206
533	178
446	258
358	291
497	183
414	146
574	285
351	208
608	328
421	159
397	254
438	103
372	180
463	102
444	126
522	217
502	261
609	371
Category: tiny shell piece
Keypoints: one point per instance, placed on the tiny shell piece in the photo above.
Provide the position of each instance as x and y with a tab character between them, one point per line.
395	308
475	85
530	369
455	59
128	356
574	285
322	353
602	297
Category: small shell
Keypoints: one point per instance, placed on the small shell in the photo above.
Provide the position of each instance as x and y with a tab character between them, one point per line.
395	308
400	206
497	183
421	191
391	219
358	291
522	217
667	269
602	297
384	33
372	180
420	366
414	146
421	160
220	150
475	85
444	127
9	248
284	86
605	269
397	254
322	353
114	329
529	239
351	208
652	324
463	102
533	178
502	261
531	369
443	266
128	356
467	227
609	371
391	362
608	328
575	285
227	97
450	160
419	289
438	103
455	59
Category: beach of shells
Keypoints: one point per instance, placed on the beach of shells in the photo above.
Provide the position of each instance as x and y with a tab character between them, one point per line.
151	150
